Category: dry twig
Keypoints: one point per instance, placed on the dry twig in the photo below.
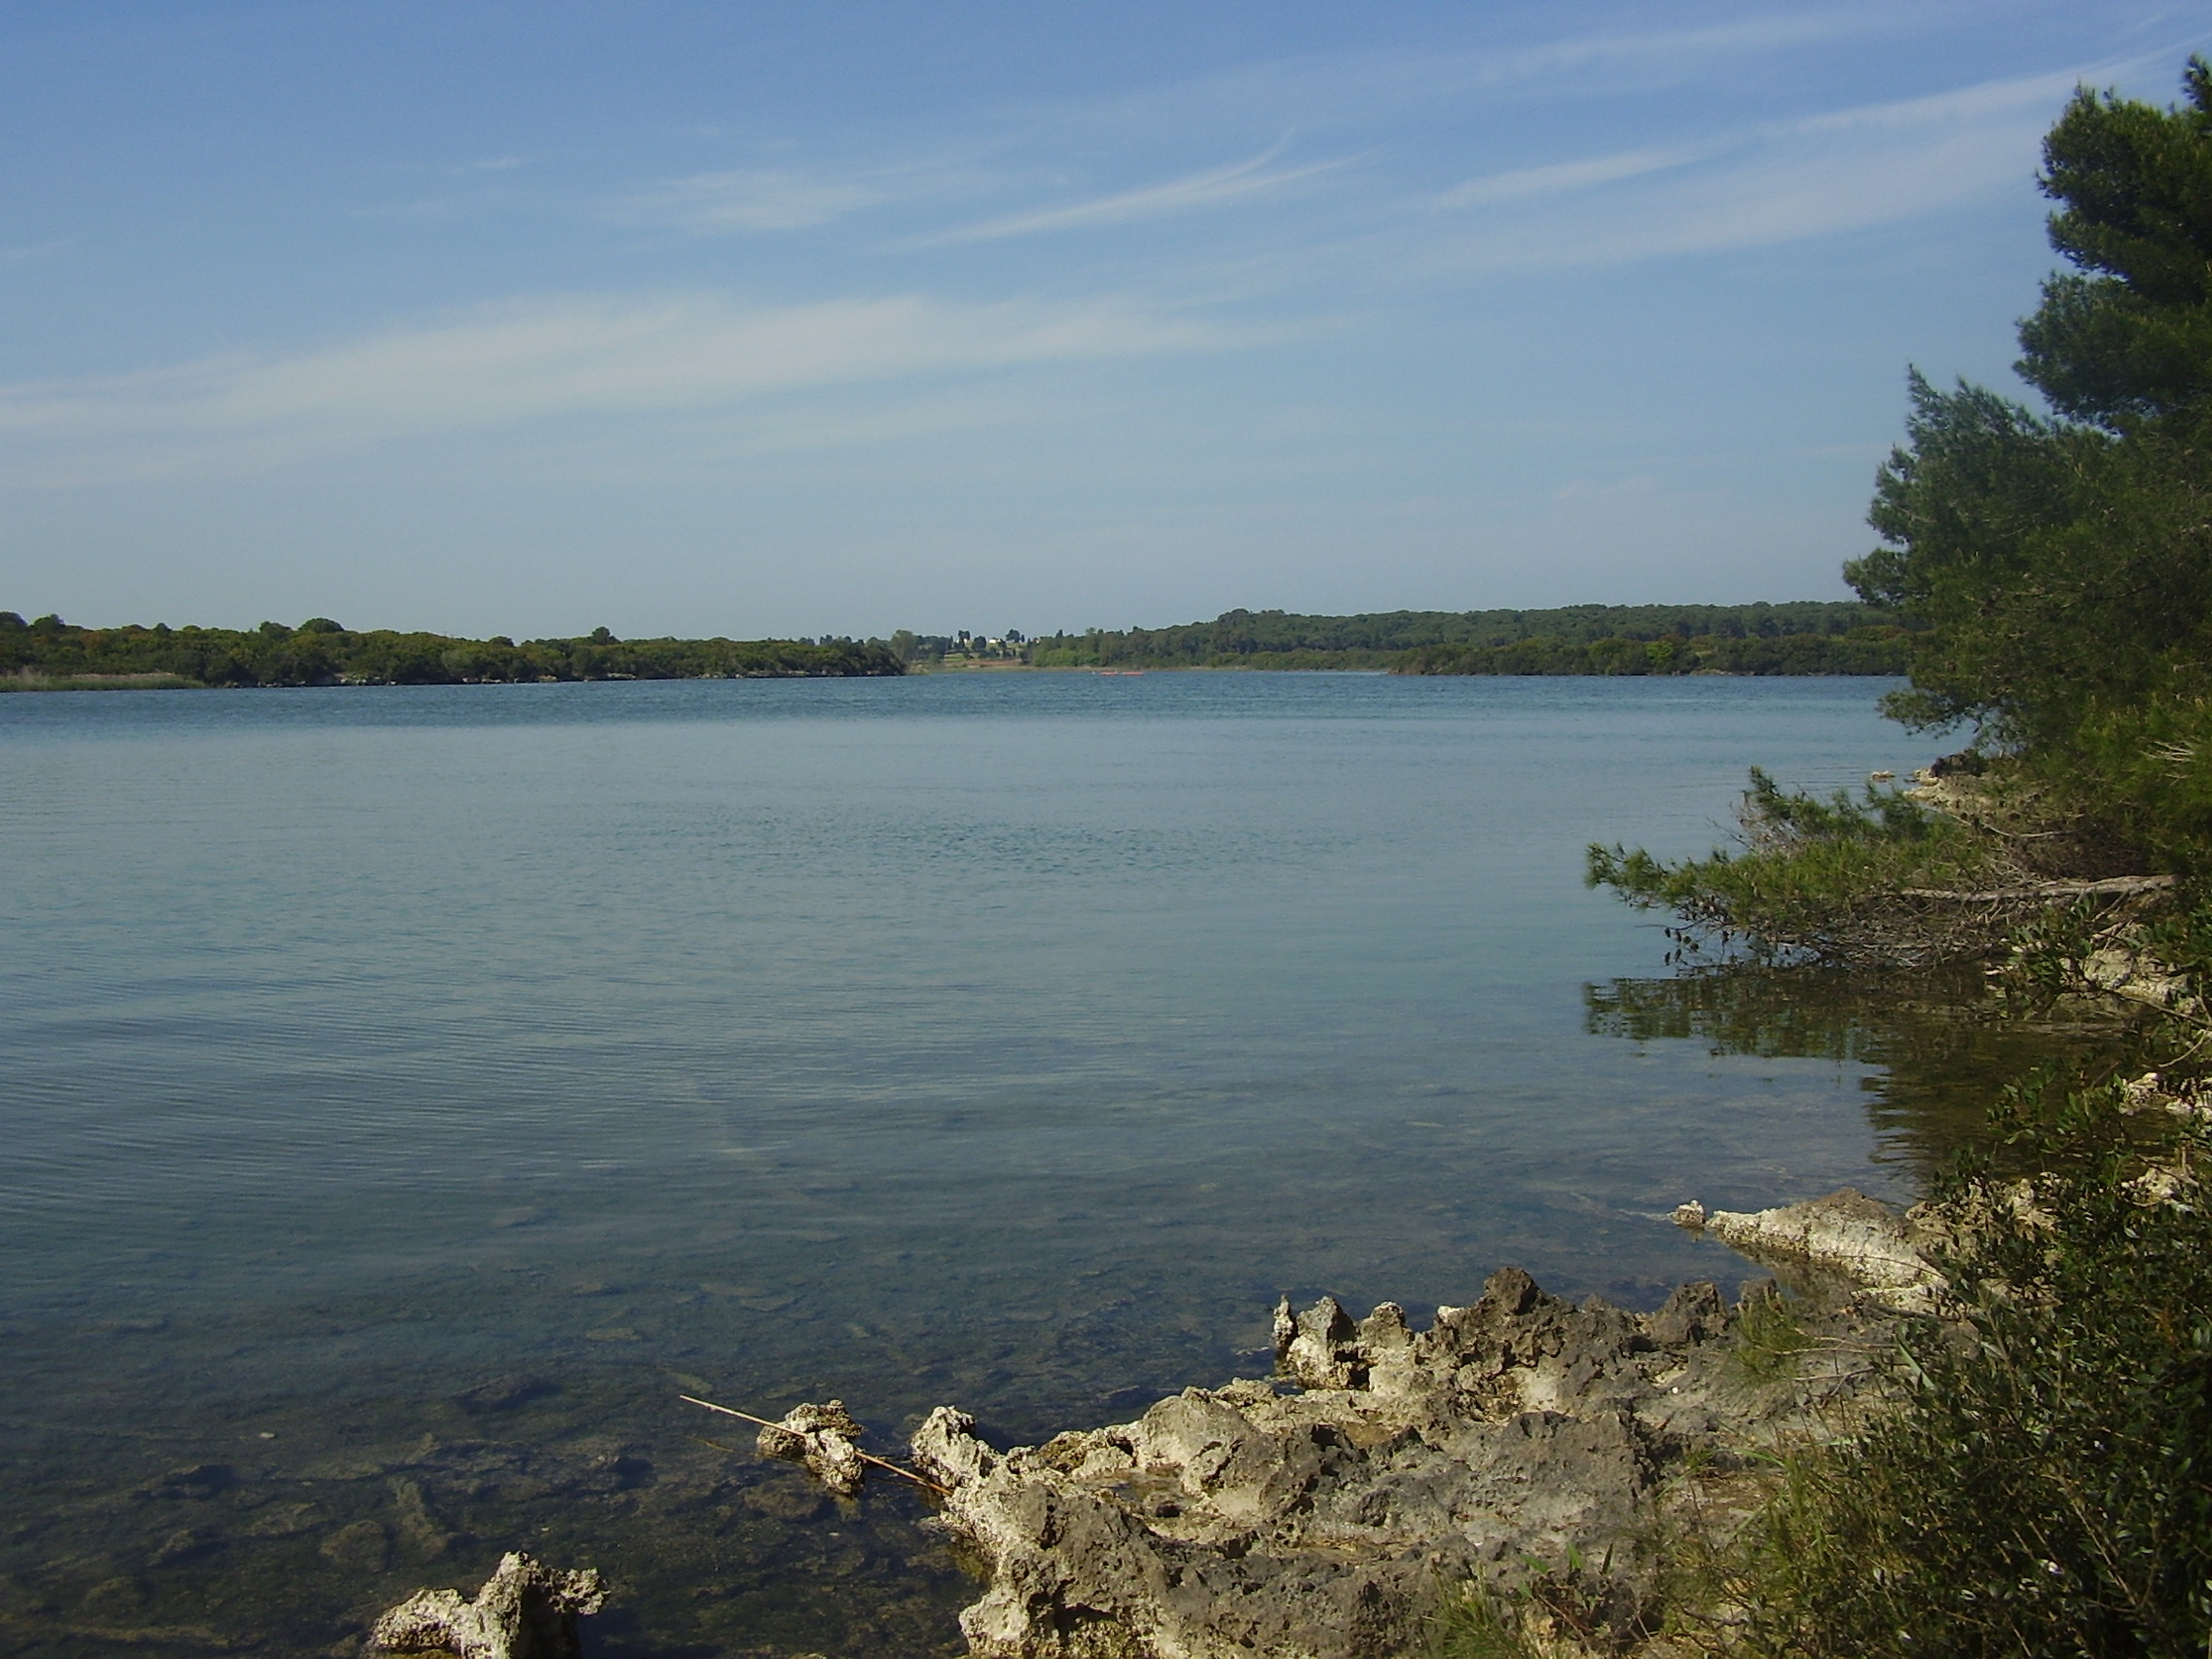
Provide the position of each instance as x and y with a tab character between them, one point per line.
883	1463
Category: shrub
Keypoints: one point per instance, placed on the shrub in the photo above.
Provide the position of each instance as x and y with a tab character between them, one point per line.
1833	879
2046	1486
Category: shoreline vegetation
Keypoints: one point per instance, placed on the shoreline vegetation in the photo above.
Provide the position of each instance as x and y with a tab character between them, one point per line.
2041	1480
1798	637
49	654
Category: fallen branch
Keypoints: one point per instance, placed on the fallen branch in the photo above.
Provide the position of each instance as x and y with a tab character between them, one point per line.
2049	892
805	1432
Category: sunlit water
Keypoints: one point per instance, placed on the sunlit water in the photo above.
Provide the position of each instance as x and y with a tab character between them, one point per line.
408	1092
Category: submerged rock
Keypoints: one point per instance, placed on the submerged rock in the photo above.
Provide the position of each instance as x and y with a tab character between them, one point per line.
1509	1439
526	1610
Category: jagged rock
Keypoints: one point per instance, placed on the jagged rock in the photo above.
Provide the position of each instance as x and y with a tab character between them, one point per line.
1847	1233
2151	1091
1321	1523
1315	1349
2124	970
2162	1184
823	1438
1694	1313
524	1610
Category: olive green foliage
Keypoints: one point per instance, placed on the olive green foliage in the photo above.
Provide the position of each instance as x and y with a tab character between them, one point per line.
2061	565
1809	637
1874	649
1812	877
2046	1487
52	654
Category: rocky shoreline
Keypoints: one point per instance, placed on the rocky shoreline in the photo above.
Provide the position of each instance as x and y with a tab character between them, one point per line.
1525	1443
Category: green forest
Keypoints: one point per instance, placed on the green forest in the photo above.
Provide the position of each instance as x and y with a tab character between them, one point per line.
1805	637
50	653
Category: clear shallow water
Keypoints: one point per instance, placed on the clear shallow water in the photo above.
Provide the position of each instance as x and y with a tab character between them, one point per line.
408	1091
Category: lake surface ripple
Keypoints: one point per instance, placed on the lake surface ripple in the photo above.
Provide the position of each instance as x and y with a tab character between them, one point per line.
408	1091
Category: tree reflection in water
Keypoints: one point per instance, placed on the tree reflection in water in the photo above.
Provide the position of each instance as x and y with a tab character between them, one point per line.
1945	1044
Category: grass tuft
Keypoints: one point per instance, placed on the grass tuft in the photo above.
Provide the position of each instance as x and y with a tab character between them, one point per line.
1769	1339
1476	1622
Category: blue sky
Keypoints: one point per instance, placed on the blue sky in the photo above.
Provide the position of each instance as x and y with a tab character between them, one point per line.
833	318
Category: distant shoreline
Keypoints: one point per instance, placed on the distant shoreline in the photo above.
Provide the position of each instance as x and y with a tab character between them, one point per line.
54	655
34	684
1809	637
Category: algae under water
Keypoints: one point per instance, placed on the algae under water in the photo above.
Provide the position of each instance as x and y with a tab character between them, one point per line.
410	1092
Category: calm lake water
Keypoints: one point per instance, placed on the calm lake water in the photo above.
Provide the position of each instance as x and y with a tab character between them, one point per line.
409	1092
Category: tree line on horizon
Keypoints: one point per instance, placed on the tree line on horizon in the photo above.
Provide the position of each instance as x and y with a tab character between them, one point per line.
321	653
1797	636
1807	636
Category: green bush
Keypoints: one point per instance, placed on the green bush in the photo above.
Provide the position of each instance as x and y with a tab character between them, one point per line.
2045	1488
1816	877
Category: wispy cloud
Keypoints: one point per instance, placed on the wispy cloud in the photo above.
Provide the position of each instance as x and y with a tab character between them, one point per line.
754	199
532	361
1562	177
1667	54
1362	88
1819	175
29	253
1151	201
1370	91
